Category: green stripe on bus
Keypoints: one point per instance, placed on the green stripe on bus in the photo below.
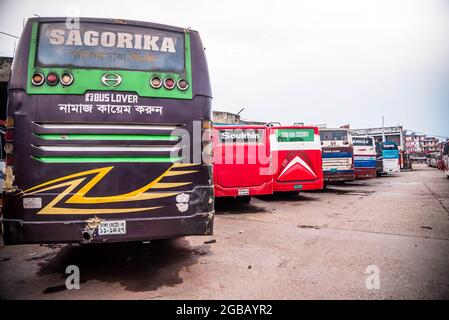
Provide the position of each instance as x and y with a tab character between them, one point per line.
105	159
295	135
94	136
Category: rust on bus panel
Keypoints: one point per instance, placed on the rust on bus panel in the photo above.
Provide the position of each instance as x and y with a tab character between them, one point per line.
71	182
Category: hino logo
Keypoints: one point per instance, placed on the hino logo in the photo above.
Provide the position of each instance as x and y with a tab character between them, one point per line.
111	79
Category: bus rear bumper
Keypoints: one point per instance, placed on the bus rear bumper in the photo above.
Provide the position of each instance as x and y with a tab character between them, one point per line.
338	176
298	186
22	232
365	173
265	188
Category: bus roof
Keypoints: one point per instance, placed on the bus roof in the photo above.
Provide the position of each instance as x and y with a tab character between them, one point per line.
112	21
333	129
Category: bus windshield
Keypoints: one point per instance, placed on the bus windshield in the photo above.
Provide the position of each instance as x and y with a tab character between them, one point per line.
110	46
333	135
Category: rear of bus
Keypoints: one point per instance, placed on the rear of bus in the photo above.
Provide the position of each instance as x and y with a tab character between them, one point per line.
364	157
102	120
242	162
338	165
296	155
390	158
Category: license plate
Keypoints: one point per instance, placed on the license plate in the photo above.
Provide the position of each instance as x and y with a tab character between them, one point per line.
243	192
112	227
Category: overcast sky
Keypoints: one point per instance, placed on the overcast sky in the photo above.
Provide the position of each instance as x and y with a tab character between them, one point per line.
318	61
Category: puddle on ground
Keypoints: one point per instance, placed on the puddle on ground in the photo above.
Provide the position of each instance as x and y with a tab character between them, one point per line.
340	191
231	206
136	266
288	197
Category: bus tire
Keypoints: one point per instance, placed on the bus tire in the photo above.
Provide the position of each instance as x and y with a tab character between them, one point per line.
243	199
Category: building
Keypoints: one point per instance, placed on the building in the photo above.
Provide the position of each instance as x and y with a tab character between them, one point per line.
224	117
420	143
393	134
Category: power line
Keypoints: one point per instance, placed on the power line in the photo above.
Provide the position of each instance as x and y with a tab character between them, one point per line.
8	34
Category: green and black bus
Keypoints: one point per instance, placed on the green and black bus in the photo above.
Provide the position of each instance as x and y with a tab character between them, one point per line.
108	133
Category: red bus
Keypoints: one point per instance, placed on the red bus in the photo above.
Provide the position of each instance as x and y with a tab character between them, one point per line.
242	162
296	153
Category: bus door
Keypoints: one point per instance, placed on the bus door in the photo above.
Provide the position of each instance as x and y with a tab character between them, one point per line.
296	153
242	162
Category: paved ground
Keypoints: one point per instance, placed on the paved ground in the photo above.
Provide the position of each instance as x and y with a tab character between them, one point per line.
314	246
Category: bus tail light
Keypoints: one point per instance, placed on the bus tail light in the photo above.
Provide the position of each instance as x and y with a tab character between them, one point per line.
67	79
9	135
37	79
169	83
207	142
8	147
9	160
182	84
9	122
52	79
156	82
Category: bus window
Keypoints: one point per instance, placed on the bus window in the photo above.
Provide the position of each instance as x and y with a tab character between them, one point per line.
339	135
121	47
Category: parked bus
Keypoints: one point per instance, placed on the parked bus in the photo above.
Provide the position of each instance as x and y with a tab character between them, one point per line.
388	154
338	153
296	153
242	162
364	157
432	159
102	119
446	158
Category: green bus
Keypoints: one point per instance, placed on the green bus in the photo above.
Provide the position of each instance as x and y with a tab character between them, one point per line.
108	133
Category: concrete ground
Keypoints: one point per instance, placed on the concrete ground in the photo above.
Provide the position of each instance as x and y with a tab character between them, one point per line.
319	245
